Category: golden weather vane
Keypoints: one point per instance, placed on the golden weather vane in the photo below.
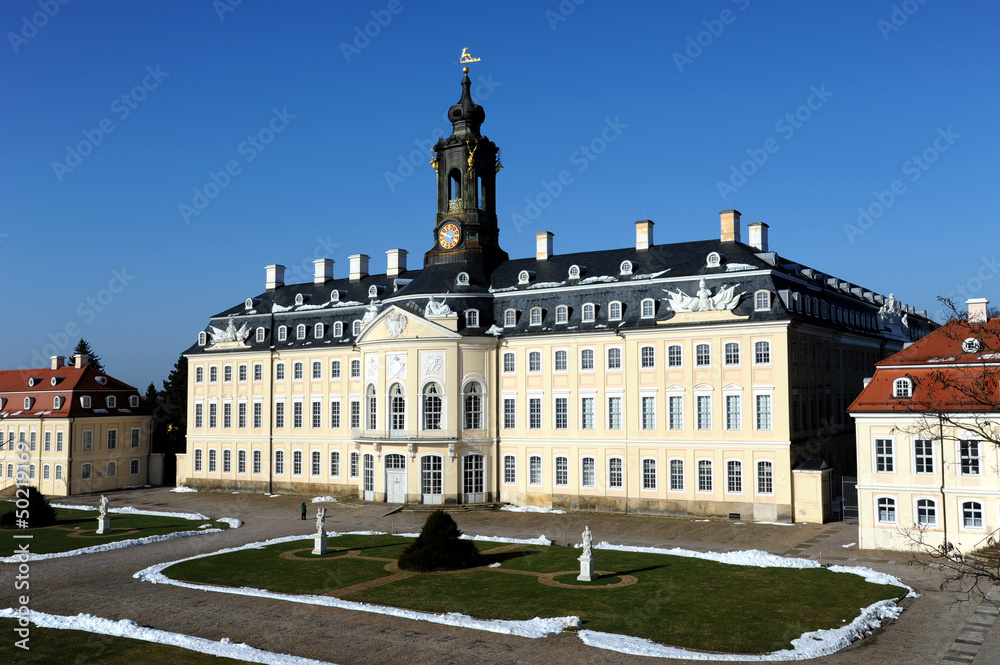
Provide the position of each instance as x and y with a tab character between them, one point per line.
466	57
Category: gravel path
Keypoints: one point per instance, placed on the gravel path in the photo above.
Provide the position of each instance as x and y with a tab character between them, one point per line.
102	584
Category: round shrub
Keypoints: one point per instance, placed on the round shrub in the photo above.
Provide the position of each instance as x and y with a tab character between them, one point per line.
439	547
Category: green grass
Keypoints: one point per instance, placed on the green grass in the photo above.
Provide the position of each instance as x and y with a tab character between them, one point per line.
49	645
685	602
83	523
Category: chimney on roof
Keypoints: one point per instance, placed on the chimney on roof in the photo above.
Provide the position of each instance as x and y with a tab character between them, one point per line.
58	361
322	270
977	310
359	266
397	262
81	360
275	276
730	225
758	236
543	245
643	234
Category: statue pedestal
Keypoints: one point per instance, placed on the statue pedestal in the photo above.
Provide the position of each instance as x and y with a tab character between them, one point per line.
103	525
320	544
586	568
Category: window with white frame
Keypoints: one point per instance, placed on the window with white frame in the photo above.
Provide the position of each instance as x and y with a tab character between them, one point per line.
676	475
352	469
614	311
509	362
297	371
258	372
241	462
136	437
198	414
648	474
885	456
297	463
734	476
702	355
227	461
432	406
614	358
258	414
334	369
762	301
317	370
473	407
703	411
260	335
586	359
588	472
355	369
316	415
562	471
675	412
300	331
282	333
279	462
674	355
318	331
335	414
334	464
535	361
764	420
213	374
647	308
762	353
212	460
258	462
397	408
732	353
356	327
969	457
338	329
614	412
647	357
588	313
227	414
202	341
562	314
902	388
279	372
86	469
509	412
535	470
297	419
509	470
972	515
562	412
227	374
765	477
923	455
242	373
279	414
733	408
535	316
586	413
886	506
704	475
561	361
535	413
615	473
199	374
510	318
926	513
111	469
355	414
472	318
315	463
648	406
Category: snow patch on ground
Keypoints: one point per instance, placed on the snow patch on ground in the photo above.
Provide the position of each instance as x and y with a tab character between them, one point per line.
107	547
231	521
271	495
532	509
777	523
848	545
183	489
324	499
126	628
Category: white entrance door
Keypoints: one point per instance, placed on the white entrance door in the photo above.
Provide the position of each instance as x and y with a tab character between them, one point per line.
472	478
431	479
395	478
368	476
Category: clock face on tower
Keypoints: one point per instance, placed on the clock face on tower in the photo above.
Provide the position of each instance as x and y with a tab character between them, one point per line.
448	235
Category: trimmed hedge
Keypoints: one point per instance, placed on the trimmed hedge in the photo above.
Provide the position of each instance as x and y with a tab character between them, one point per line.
439	547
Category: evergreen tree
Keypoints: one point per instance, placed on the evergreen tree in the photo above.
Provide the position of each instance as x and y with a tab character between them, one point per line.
440	547
172	414
83	346
38	513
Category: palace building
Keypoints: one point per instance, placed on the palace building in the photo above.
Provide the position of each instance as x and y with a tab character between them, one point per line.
927	430
70	429
706	378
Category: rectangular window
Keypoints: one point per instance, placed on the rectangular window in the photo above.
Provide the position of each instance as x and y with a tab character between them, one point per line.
509	470
227	461
562	471
702	355
647	357
614	412
587	413
588	472
279	372
112	439
884	458
968	453
704	475
317	369
136	436
258	372
734	476
614	358
676	475
334	464
355	414
213	415
562	412
212	460
242	373
59	442
508	362
732	351
88	439
765	478
315	463
317	414
297	463
227	414
355	369
334	369
352	470
241	461
763	412
703	407
676	408
615	474
241	414
509	413
649	474
923	455
257	462
674	355
762	353
534	470
587	359
534	361
648	412
335	414
535	413
733	412
197	460
296	414
258	414
279	414
47	441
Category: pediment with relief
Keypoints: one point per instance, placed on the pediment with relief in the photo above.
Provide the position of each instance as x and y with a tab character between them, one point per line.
396	324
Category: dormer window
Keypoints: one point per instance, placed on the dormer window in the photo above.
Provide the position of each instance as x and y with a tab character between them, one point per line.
338	329
524	277
575	271
356	327
614	311
299	299
57	403
971	345
535	316
472	318
248	304
625	268
133	401
762	301
85	401
713	260
510	318
300	331
53	381
335	296
648	308
462	278
27	403
562	314
111	401
3	401
202	338
261	334
588	313
282	333
32	382
373	291
902	388
102	380
318	331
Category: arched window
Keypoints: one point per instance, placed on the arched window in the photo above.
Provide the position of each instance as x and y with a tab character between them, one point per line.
588	313
648	310
397	408
765	477
886	510
535	316
260	334
282	333
762	301
356	328
297	371
279	462
625	268
562	314
972	515
202	338
562	471
455	190
432	403
318	331
338	329
510	318
473	406
561	361
371	408
199	374
317	369
926	512
300	331
762	353
535	361
902	388
112	469
614	311
472	318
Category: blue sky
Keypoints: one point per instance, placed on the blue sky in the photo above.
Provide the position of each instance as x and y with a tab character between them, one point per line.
797	114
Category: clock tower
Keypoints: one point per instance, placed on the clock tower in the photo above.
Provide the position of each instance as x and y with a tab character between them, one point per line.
466	164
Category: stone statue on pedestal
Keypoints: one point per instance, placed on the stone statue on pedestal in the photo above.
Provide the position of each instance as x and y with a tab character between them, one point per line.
587	558
103	521
319	540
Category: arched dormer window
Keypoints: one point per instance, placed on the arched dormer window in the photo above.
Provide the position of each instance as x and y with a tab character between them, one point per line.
535	316
202	338
462	278
524	276
902	388
562	314
576	271
625	268
472	318
338	329
588	313
299	299
248	304
27	403
282	333
648	308
356	328
56	403
85	401
335	296
318	331
762	301
614	311
260	334
133	401
510	318
300	331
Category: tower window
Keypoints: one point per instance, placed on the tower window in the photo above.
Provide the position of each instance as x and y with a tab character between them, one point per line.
455	190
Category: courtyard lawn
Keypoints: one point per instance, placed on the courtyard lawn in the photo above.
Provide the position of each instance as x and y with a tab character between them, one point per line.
75	529
51	645
678	601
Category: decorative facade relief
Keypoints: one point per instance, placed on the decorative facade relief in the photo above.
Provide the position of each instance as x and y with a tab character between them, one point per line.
434	364
397	366
371	366
230	337
395	324
725	298
436	309
371	311
893	315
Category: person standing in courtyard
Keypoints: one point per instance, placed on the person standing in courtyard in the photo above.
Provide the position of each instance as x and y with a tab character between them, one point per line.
303	510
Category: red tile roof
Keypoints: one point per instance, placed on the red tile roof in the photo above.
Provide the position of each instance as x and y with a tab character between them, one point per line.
70	384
